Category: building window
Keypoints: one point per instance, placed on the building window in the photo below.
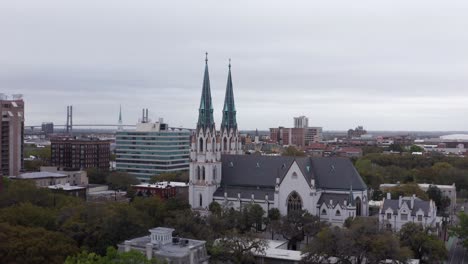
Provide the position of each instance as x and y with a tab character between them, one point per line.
419	218
201	145
388	226
294	202
201	200
338	213
324	212
404	217
389	215
203	172
358	206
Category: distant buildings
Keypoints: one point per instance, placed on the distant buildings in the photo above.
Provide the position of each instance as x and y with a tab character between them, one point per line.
163	190
301	122
161	245
80	153
11	135
54	176
152	149
357	132
47	128
300	135
396	213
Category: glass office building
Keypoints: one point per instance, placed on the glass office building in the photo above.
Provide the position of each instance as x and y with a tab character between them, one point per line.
152	149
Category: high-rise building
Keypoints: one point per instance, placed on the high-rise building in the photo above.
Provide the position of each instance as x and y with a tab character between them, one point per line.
152	149
301	122
11	134
80	153
312	135
47	128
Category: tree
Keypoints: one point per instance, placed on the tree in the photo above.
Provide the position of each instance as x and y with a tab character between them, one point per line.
112	256
97	176
435	194
416	148
423	245
461	229
361	242
238	248
179	176
407	190
121	180
215	208
19	244
298	225
292	151
395	148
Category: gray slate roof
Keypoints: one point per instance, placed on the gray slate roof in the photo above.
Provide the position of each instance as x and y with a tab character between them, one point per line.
338	198
261	171
246	192
418	204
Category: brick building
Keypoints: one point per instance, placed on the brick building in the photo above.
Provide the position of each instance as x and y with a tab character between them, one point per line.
11	135
83	153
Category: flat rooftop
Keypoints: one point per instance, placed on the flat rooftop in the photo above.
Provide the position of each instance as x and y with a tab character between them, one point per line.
40	174
161	185
168	250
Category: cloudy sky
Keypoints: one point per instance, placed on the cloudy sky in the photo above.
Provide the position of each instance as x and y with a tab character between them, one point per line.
387	65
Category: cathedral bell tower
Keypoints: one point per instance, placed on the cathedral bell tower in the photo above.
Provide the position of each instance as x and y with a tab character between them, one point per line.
230	140
205	154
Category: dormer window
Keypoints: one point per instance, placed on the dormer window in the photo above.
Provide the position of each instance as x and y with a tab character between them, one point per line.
338	213
324	212
389	215
420	218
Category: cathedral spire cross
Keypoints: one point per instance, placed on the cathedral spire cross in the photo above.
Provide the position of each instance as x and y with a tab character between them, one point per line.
205	112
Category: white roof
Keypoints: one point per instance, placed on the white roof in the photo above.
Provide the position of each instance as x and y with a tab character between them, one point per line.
66	187
273	251
41	174
455	137
162	184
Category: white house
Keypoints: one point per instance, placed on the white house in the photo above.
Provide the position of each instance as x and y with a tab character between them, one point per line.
394	214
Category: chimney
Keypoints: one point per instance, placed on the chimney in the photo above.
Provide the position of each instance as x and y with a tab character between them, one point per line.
389	196
149	251
266	197
400	200
412	201
331	202
127	245
253	197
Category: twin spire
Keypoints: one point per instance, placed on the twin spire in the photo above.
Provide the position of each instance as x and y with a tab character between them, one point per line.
205	112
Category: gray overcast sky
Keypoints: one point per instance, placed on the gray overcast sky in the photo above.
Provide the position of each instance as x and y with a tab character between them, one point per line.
387	65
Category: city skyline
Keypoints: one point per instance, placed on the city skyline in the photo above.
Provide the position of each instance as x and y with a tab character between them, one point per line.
393	66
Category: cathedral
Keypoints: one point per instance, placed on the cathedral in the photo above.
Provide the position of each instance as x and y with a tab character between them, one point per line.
327	187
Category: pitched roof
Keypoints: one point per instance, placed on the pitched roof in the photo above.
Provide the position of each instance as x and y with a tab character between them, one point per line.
418	204
246	192
252	170
337	174
336	198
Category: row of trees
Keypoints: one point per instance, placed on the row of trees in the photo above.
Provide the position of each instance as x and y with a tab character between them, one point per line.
363	242
381	168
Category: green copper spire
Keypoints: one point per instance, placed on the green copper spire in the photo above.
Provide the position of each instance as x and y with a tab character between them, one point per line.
229	109
205	112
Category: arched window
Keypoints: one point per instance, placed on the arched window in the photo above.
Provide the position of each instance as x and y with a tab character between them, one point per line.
225	148
201	144
294	202
214	173
324	212
294	175
206	145
198	173
213	145
338	213
358	206
203	173
201	200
